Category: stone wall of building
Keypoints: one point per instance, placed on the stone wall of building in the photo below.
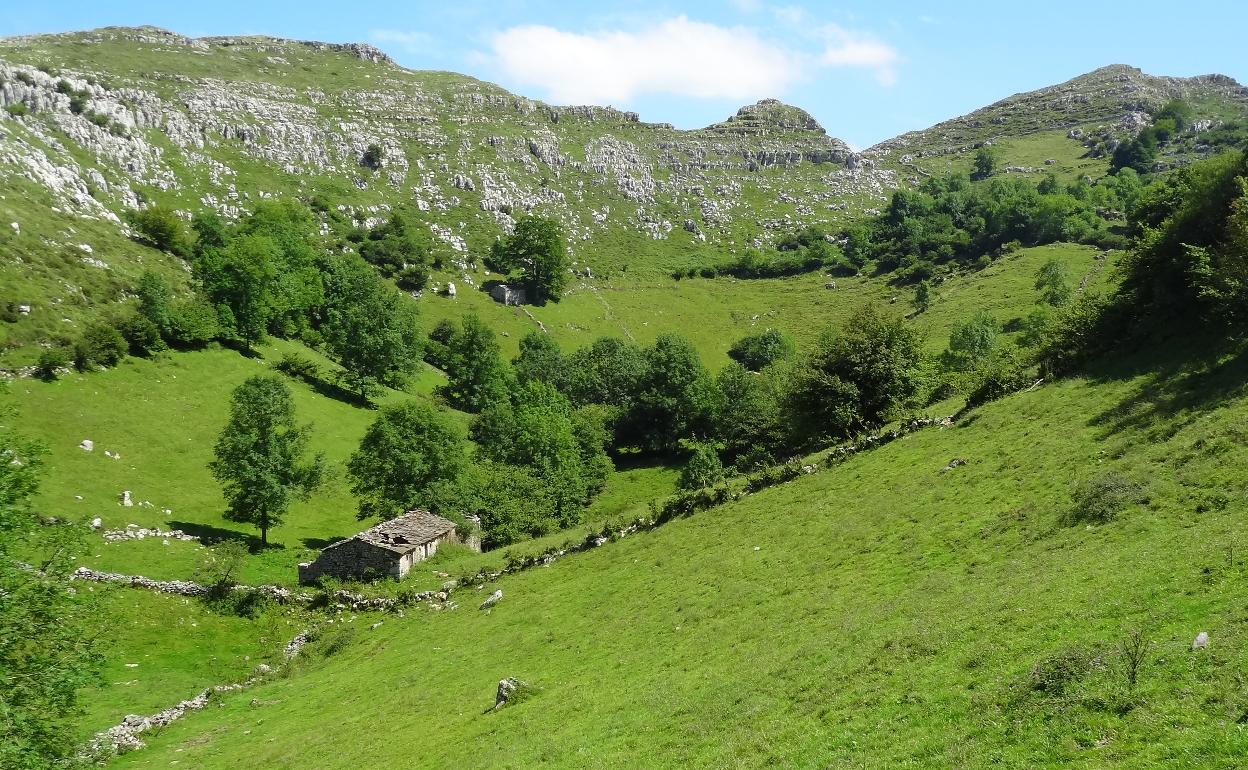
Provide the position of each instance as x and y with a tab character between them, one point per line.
351	559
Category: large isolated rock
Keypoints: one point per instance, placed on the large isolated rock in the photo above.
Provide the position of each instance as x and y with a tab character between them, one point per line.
492	599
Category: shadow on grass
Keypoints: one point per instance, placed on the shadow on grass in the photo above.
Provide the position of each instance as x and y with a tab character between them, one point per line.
319	543
1184	376
210	535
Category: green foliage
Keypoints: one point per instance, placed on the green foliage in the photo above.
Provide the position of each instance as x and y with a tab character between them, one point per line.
675	396
412	456
540	359
154	301
369	326
400	251
538	250
538	431
220	564
855	379
757	351
922	297
512	501
373	156
1140	152
264	277
47	646
100	345
950	219
141	335
1098	499
299	367
259	456
193	322
1053	283
986	161
750	418
971	343
607	371
702	469
161	228
17	109
51	362
476	372
997	377
437	349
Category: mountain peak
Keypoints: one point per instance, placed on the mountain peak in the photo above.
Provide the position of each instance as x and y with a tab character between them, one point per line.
768	115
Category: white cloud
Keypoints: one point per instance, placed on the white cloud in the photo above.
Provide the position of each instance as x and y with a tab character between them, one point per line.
846	48
412	42
678	57
748	6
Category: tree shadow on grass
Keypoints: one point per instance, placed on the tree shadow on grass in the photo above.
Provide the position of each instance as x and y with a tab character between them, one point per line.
320	543
1183	377
210	535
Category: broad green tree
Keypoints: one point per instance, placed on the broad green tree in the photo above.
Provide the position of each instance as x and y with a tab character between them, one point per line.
676	395
260	455
856	377
476	372
538	250
1053	283
412	456
369	326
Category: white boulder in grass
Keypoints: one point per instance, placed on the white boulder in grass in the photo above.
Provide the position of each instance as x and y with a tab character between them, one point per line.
1201	641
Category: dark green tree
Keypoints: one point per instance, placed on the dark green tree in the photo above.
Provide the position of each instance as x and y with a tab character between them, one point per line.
750	423
399	250
676	396
986	160
971	343
259	456
853	380
540	359
241	283
101	344
369	326
412	456
538	250
757	351
476	372
922	297
154	299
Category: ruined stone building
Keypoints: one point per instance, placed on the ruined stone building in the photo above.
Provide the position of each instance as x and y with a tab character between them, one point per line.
386	550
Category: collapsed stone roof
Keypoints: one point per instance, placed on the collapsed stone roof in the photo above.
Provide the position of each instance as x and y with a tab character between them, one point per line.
405	533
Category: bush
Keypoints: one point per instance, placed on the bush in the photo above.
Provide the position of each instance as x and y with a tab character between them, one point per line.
758	350
193	322
100	345
17	109
1055	674
702	470
999	377
1100	498
372	157
299	367
141	335
160	227
51	361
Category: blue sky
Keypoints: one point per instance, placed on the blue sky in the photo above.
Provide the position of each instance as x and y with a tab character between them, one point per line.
866	70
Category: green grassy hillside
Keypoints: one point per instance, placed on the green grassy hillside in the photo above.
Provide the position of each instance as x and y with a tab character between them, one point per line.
886	612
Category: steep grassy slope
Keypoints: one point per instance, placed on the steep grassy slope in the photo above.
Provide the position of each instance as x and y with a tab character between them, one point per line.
884	612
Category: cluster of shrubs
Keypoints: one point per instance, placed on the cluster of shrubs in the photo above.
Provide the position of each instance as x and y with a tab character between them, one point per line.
805	251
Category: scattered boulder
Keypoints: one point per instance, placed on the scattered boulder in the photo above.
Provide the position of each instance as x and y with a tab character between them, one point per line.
23	309
492	599
97	523
125	499
508	690
954	463
87	445
1201	641
17	229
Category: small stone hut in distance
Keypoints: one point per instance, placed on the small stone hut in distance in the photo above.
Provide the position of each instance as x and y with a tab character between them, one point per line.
386	550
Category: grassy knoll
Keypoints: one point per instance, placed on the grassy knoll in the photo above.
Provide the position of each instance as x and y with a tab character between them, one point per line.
882	613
